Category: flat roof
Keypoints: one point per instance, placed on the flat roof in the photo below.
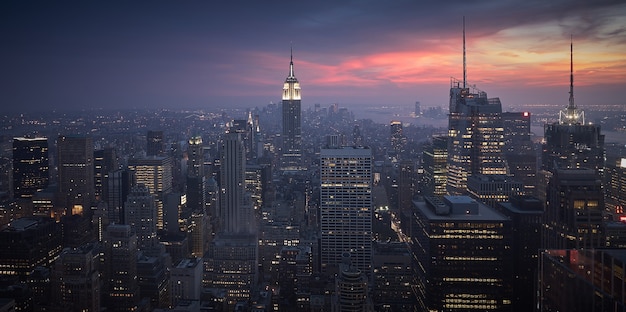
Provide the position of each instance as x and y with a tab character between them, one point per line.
485	213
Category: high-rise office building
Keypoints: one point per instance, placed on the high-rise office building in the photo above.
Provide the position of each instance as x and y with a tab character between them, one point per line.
27	243
76	280
105	161
435	157
406	185
582	280
519	150
292	122
231	261
155	172
476	134
235	209
526	214
196	179
570	143
346	207
30	166
616	187
155	146
76	171
462	248
119	183
120	288
186	280
398	140
141	214
574	208
493	189
393	277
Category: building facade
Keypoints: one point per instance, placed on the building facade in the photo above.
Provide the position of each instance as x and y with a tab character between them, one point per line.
30	166
346	207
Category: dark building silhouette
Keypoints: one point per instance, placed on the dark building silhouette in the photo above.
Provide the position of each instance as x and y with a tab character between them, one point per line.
120	291
105	161
76	172
574	207
27	243
526	214
30	166
462	249
155	143
519	151
119	183
76	280
582	280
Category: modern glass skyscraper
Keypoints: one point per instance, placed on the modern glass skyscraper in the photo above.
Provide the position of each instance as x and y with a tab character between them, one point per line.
346	207
30	166
476	133
155	172
292	122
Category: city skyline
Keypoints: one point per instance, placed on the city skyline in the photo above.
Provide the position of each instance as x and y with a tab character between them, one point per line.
206	55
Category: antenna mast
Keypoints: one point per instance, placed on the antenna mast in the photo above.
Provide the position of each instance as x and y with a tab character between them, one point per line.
464	58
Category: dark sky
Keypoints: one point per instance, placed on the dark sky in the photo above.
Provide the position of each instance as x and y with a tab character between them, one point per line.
211	54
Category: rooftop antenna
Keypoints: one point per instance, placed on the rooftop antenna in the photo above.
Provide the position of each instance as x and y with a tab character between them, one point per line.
571	115
464	58
291	61
571	73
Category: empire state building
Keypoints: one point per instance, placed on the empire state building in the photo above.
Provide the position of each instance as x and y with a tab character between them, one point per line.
292	122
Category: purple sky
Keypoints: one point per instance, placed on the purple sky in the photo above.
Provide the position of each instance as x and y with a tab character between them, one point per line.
211	54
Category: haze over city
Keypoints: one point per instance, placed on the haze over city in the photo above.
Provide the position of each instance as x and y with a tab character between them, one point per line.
204	55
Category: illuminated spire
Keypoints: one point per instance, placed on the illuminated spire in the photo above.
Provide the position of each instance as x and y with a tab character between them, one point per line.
464	57
571	114
291	87
291	74
571	74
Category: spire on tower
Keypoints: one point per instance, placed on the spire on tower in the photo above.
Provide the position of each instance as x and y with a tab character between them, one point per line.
464	58
291	74
571	114
571	74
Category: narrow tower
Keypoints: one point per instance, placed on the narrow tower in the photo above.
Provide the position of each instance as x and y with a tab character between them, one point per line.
292	122
571	115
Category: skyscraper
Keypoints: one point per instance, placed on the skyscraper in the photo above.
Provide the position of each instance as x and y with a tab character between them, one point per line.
435	157
140	213
574	208
105	161
476	133
196	180
155	145
346	207
231	261
76	279
235	210
155	172
462	248
571	143
76	171
120	287
519	152
30	166
398	140
292	122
